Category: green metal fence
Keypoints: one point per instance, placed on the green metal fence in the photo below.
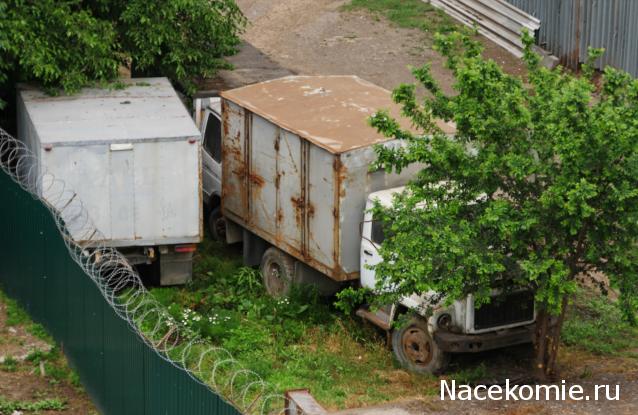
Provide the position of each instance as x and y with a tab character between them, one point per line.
122	374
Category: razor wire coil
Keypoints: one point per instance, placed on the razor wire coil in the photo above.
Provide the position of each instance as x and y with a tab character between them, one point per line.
210	365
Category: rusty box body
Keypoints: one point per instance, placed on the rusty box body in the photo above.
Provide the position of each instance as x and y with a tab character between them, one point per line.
296	159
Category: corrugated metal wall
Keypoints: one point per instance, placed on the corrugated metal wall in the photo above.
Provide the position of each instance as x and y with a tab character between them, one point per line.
121	374
569	27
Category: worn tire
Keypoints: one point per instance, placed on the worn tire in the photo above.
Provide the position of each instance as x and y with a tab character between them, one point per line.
278	272
415	349
217	225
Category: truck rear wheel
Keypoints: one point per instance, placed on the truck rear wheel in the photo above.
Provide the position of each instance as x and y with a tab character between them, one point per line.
278	272
416	350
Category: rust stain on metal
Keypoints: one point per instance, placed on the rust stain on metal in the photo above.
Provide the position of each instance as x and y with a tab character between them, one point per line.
257	180
299	206
337	171
224	119
330	111
341	174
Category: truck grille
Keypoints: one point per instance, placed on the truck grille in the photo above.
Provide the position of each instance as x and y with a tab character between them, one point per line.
514	308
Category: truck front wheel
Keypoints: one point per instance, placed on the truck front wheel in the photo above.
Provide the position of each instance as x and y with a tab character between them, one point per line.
217	225
416	350
278	272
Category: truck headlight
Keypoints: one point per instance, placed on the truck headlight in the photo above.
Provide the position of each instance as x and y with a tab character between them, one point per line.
444	321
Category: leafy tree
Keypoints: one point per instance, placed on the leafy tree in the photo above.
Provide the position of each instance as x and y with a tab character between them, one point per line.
176	38
539	186
56	43
69	44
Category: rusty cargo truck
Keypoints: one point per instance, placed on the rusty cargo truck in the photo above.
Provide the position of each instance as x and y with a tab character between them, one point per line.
296	189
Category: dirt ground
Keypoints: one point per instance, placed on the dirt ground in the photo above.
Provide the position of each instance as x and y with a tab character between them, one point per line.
317	37
581	369
24	381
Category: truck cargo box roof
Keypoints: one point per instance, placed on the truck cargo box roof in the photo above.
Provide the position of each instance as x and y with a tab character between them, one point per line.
330	111
147	109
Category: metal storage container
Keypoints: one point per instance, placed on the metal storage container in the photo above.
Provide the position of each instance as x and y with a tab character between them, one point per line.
131	155
296	158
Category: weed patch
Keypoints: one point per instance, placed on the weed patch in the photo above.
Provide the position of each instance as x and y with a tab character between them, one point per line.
298	342
595	324
10	406
411	14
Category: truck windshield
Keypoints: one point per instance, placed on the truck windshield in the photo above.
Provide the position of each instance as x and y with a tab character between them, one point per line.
213	138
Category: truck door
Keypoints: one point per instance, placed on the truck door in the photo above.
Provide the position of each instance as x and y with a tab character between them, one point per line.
371	239
212	155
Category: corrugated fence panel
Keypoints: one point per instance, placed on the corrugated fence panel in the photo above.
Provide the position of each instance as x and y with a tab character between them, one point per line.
569	27
122	374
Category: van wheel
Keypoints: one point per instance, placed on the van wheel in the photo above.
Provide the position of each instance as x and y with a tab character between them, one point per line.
416	350
278	272
217	225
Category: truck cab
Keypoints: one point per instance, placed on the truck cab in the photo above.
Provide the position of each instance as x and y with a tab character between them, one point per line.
435	330
208	117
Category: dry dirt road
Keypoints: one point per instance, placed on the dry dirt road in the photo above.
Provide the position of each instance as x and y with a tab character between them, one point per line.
317	37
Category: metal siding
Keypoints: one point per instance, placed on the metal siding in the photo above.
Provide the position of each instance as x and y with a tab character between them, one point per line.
167	191
86	171
569	27
289	165
123	375
357	183
122	197
234	189
262	175
320	206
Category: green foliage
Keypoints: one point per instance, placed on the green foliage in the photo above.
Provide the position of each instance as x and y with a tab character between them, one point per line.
295	342
349	299
412	14
15	314
539	184
471	375
594	324
10	364
73	43
57	43
10	406
180	39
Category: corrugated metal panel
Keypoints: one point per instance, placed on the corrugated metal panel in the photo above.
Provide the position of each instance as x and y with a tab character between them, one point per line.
569	27
495	19
123	375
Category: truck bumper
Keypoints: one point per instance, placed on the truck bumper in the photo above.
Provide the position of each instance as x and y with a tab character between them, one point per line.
474	343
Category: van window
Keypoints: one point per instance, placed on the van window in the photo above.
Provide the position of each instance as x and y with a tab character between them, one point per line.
213	138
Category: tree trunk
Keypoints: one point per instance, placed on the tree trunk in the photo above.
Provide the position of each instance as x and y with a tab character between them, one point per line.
548	329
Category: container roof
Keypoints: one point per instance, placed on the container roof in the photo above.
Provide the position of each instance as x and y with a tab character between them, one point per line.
330	111
147	109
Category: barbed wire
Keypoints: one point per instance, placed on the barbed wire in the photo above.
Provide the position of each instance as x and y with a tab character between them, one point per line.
122	288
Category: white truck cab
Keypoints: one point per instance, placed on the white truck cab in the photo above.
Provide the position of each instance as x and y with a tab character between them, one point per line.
435	330
208	117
